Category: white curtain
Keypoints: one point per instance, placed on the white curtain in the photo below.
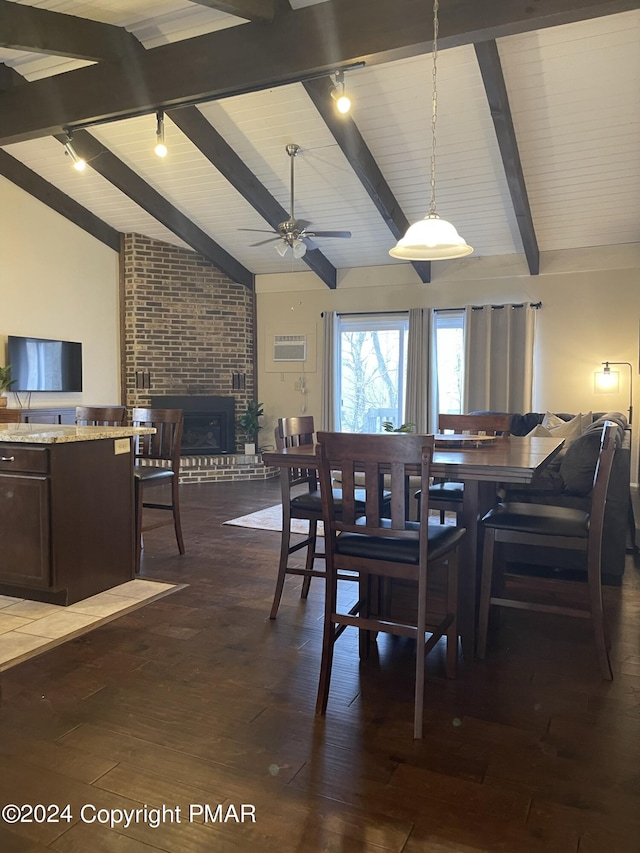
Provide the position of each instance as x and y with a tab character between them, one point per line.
417	406
329	367
499	357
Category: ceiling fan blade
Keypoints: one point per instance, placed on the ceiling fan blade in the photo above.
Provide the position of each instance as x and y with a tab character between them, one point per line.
329	233
258	230
262	242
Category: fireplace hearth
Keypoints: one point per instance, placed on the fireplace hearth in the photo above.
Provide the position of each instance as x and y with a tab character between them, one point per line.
209	423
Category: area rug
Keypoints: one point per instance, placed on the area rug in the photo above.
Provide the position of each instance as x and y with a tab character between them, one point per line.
271	519
29	628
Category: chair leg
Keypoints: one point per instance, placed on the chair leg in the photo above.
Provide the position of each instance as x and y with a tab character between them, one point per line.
421	627
597	616
138	522
328	638
285	544
311	553
451	665
175	502
485	591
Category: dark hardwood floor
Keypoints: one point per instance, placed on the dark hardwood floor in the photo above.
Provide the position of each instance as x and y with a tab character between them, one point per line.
200	699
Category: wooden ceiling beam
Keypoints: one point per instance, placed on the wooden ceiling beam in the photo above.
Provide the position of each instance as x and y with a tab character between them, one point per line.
250	10
103	161
41	31
20	175
9	77
362	161
298	45
207	139
496	90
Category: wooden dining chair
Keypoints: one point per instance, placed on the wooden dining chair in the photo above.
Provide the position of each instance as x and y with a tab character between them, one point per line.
445	495
544	526
382	546
301	499
157	463
101	415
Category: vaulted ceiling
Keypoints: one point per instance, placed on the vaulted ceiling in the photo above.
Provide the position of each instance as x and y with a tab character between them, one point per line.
538	143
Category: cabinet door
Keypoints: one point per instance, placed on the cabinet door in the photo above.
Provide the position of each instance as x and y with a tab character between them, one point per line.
42	417
24	530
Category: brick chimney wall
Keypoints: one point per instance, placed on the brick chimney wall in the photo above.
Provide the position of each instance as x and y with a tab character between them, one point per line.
187	327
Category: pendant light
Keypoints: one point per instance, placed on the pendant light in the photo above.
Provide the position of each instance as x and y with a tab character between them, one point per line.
432	238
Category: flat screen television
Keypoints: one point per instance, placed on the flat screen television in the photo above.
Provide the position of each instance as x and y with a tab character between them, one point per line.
38	364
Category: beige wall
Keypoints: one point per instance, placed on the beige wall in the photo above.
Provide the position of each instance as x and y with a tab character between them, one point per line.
56	281
590	313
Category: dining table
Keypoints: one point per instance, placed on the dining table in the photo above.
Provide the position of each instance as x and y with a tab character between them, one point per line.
482	466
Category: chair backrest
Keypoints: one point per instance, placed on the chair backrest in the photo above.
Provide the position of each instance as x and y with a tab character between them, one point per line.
398	456
101	415
485	424
601	479
293	432
164	444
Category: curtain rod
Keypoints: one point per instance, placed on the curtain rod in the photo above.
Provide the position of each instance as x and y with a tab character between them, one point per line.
535	305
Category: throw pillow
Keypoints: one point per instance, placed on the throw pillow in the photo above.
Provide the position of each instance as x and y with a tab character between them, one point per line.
579	464
569	430
539	431
587	420
550	421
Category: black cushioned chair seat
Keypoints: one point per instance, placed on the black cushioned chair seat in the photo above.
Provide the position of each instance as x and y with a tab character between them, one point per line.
152	472
447	491
312	501
539	518
441	538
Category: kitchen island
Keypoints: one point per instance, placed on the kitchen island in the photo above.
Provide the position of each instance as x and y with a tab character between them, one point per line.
66	510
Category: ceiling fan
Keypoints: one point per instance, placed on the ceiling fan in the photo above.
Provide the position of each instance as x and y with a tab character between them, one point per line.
294	233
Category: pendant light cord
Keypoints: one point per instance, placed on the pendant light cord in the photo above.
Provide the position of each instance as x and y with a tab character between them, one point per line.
434	108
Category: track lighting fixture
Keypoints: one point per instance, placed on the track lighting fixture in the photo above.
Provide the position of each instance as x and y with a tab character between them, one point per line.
339	95
161	148
78	163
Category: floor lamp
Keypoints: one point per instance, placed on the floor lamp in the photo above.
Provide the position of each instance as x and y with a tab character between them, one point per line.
606	381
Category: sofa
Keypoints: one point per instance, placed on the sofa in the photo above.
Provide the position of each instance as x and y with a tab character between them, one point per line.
567	482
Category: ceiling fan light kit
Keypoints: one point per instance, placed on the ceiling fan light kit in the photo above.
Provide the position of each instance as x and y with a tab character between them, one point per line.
432	238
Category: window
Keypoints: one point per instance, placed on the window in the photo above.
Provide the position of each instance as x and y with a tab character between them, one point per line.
448	335
372	369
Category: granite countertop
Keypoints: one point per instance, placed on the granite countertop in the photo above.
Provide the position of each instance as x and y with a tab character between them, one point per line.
58	434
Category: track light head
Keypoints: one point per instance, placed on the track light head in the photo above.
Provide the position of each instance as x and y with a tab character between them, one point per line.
78	163
161	148
339	95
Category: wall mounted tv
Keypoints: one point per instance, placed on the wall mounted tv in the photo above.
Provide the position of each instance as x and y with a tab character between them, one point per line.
38	364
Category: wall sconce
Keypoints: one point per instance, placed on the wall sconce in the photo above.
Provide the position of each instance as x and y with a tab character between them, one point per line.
607	381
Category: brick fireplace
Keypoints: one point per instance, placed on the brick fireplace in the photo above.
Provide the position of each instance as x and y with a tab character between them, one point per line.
189	341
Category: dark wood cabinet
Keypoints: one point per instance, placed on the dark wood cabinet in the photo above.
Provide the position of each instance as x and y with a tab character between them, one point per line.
42	415
66	519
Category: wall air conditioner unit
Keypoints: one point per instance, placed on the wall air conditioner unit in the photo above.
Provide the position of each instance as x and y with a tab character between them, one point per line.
289	347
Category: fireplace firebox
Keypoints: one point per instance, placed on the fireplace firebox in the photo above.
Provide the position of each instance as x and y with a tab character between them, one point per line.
209	423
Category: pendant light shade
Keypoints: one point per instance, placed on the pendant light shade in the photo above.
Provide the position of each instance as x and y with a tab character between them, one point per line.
431	239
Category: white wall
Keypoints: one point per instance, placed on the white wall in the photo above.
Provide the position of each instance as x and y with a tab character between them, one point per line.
590	313
57	281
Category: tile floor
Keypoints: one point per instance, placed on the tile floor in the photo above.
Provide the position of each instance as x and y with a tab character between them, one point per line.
28	628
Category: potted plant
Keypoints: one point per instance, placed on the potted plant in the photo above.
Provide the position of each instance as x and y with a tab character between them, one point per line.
249	423
5	383
388	426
